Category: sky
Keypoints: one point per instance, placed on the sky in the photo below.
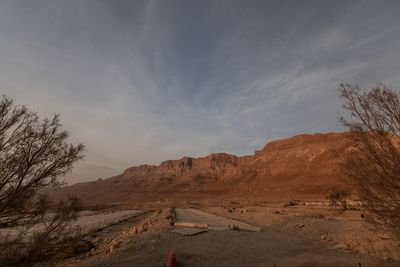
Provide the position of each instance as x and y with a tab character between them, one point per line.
144	81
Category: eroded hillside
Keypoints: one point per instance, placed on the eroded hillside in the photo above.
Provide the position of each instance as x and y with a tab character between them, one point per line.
301	167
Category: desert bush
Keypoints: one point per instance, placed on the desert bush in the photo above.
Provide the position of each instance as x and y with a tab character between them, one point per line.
338	197
34	154
171	217
373	158
55	237
292	203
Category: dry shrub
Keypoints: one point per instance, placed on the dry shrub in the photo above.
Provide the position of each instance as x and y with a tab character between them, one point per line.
373	160
338	198
34	153
44	236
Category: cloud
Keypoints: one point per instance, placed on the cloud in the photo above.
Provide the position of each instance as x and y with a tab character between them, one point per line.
144	81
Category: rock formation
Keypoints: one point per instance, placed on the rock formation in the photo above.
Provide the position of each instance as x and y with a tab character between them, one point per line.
300	167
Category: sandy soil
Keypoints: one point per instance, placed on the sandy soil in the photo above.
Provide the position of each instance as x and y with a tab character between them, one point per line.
291	236
229	248
345	230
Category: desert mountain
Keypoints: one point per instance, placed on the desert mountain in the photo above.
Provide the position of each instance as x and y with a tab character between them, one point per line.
301	167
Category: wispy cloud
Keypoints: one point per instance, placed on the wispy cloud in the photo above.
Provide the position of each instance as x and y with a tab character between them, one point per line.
143	81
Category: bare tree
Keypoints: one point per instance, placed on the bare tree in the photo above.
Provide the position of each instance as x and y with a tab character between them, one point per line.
34	153
373	162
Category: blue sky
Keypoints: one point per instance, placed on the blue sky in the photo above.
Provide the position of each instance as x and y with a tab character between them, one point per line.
144	81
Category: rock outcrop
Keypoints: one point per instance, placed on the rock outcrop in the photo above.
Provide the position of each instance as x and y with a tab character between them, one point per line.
300	167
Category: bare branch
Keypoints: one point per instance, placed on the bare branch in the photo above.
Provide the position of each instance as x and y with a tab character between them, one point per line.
374	158
34	153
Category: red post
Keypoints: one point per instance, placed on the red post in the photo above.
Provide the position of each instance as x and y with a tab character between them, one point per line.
171	258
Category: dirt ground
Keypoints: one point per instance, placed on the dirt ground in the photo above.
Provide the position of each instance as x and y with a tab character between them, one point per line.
345	230
229	248
290	236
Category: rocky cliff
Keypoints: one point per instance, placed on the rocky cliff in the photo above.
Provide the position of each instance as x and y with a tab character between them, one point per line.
300	167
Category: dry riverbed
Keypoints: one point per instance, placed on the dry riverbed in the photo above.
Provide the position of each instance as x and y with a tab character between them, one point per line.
86	222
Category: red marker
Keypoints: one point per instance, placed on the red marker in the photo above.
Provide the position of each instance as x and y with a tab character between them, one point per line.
171	259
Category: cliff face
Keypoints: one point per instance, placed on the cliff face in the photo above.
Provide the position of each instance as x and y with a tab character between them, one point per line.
214	165
304	166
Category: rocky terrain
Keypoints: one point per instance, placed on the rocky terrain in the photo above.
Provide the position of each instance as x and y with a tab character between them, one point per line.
282	190
289	236
302	167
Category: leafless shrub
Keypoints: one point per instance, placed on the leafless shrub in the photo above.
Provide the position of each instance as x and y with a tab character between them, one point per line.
55	237
34	153
373	161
